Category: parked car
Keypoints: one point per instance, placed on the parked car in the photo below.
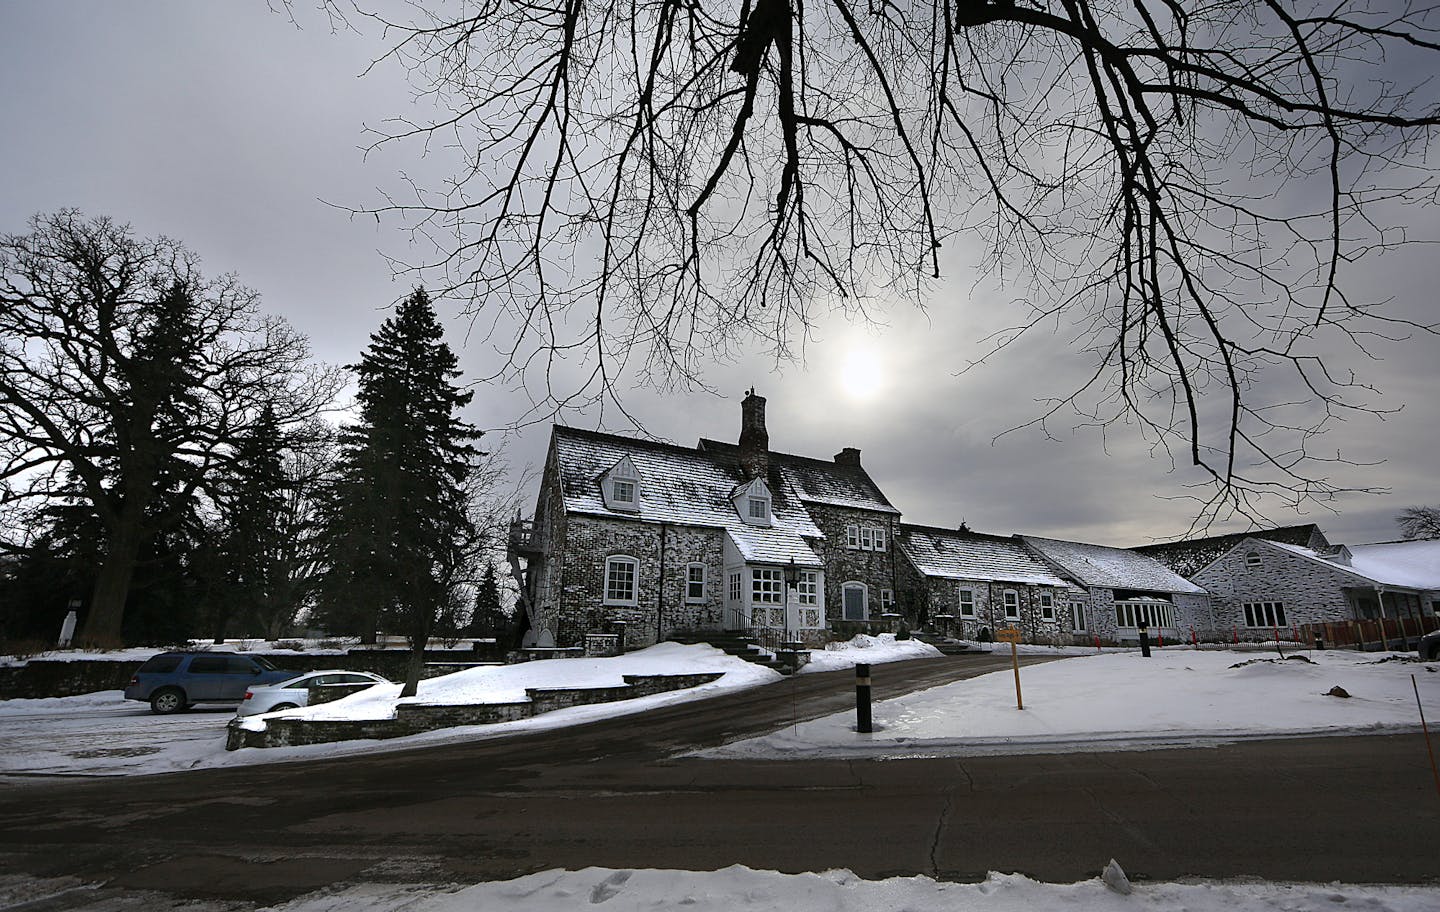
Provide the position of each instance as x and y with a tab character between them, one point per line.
263	698
1430	646
173	681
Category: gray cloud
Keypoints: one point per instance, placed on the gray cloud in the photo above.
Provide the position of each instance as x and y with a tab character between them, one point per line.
225	126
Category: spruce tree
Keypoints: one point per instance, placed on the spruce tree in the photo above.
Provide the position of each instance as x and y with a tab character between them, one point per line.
488	619
398	516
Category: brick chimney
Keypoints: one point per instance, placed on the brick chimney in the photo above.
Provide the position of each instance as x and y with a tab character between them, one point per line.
849	456
754	439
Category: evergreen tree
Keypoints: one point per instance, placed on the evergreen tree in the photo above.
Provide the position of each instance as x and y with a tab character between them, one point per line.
252	570
398	517
488	619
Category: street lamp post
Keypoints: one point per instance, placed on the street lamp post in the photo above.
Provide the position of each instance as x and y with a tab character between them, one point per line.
792	578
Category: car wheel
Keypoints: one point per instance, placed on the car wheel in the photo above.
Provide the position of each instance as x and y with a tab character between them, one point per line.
279	706
167	701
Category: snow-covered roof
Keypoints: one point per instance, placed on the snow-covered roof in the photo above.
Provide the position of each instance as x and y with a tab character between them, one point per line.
683	486
814	480
951	554
1113	568
1408	564
1188	556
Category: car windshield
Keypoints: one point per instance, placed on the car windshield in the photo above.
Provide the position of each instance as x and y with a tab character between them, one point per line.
294	682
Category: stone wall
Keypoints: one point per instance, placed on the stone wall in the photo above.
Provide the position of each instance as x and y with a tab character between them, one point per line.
943	599
413	718
876	569
661	605
68	678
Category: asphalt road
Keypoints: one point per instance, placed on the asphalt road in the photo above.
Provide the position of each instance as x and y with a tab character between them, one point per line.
616	794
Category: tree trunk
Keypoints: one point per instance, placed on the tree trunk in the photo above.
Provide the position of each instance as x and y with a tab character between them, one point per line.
419	639
112	587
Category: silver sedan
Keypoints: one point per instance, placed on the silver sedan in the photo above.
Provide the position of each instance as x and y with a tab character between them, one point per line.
263	698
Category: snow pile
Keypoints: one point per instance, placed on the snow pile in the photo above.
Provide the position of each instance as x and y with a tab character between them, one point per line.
741	888
1118	700
507	683
864	648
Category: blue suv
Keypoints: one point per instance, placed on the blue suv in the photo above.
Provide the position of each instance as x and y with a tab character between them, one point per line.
172	681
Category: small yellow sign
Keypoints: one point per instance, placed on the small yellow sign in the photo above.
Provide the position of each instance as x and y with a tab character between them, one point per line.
1008	635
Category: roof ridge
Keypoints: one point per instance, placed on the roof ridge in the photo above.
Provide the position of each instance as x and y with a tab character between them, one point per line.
916	527
569	431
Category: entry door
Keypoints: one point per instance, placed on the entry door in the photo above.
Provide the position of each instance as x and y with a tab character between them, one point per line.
854	598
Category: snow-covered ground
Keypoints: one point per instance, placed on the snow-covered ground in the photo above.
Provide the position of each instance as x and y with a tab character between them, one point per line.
746	890
1114	700
1119	700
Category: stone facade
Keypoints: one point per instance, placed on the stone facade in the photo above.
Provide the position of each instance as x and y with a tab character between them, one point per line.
878	571
988	601
571	602
1192	612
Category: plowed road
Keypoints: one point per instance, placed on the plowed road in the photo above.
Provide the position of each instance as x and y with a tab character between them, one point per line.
618	794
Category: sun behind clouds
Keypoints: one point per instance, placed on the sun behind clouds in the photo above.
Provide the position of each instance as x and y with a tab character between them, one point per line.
861	374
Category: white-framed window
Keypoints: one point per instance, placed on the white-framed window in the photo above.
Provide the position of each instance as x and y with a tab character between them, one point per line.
621	487
735	591
807	587
867	538
855	601
852	536
695	582
621	575
1012	604
1129	614
1047	606
1265	614
887	601
759	508
622	491
879	539
767	586
965	599
1253	560
1077	616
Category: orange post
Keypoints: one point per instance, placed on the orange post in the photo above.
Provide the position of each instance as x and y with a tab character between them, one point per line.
1015	663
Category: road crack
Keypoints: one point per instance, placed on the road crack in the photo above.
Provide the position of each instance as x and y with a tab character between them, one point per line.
945	811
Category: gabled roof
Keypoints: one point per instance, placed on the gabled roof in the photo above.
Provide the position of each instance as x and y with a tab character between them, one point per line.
1112	568
1188	556
952	554
813	480
678	484
1408	565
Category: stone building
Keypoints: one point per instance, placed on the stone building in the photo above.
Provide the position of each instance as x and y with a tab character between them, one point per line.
968	584
1260	585
1121	589
653	539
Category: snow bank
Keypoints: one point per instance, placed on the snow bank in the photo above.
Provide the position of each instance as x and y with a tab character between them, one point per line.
864	648
1117	700
507	683
741	888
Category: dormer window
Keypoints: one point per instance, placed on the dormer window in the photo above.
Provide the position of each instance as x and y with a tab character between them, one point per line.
620	487
752	502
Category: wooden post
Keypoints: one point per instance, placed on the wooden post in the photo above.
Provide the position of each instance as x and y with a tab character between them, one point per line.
1015	664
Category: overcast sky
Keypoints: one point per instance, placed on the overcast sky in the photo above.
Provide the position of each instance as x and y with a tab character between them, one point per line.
226	127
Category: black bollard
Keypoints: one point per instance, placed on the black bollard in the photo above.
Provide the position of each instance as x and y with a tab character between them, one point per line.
862	699
1145	641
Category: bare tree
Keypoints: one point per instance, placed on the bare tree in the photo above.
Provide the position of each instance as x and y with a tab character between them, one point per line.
1180	185
125	374
1419	522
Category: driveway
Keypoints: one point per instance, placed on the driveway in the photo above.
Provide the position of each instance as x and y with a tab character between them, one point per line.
103	733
